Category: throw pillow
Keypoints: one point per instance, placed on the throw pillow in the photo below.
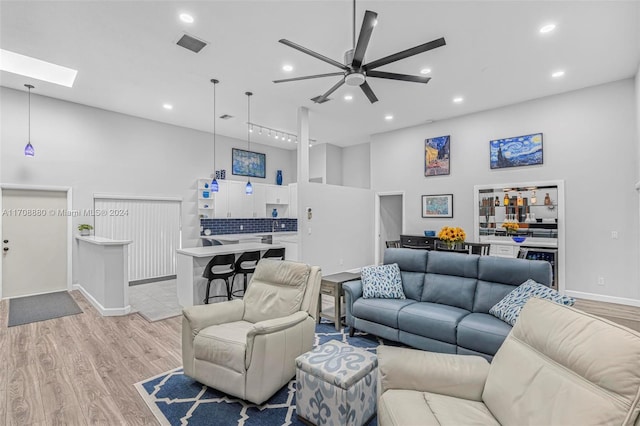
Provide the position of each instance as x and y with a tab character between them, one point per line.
382	282
508	309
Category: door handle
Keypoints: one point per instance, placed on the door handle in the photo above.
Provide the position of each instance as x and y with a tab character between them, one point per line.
6	241
6	249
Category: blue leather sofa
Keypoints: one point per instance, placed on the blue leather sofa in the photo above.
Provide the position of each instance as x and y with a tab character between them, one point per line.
448	300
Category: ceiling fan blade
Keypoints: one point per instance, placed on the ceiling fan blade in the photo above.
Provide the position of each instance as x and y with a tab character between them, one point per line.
367	91
401	77
314	54
323	98
405	54
307	77
366	30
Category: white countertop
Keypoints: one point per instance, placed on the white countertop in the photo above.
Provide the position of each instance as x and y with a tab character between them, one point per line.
102	241
529	242
211	251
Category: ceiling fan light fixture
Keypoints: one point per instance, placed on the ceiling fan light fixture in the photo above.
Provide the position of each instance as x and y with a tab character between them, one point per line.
355	79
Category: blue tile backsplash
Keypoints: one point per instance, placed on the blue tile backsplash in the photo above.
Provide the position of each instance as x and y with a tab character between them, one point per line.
249	226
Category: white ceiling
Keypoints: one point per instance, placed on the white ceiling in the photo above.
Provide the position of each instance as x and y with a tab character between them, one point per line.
128	61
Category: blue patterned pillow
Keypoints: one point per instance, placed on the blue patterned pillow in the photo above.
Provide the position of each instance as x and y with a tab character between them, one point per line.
382	282
509	308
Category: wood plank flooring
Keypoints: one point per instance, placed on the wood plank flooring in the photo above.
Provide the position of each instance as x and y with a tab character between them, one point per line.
80	369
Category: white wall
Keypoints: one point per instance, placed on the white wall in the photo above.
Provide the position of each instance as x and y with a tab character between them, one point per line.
339	236
356	166
590	141
98	151
317	162
333	168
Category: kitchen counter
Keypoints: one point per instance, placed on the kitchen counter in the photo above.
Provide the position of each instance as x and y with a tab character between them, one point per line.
191	263
253	237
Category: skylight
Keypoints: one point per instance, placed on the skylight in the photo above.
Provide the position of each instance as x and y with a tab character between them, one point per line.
35	68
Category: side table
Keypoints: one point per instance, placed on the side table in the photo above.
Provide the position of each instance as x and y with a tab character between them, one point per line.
331	285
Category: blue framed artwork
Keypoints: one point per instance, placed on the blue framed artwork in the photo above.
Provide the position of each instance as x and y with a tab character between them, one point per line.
248	163
440	205
436	156
516	152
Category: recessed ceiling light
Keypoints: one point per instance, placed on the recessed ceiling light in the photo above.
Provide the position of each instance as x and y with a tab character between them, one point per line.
348	97
167	106
547	28
557	74
458	100
35	68
388	117
287	68
185	17
425	70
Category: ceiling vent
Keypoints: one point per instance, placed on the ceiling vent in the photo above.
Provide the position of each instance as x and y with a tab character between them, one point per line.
191	43
226	116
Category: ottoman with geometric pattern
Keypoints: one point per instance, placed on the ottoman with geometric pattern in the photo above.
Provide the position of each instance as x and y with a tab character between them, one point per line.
336	385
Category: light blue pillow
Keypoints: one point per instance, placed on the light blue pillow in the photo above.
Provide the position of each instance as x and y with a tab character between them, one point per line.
508	309
382	282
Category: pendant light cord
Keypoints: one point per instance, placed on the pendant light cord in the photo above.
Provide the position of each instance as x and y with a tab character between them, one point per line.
29	131
214	81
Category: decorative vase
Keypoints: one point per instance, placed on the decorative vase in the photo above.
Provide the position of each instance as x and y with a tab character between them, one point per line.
278	177
274	213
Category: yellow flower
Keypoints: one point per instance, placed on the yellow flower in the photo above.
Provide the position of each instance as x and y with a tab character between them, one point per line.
452	234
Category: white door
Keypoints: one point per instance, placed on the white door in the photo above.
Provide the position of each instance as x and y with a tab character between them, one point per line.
390	220
34	235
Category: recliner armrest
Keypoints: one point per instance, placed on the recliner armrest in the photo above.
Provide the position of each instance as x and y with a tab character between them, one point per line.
352	292
202	316
460	376
276	324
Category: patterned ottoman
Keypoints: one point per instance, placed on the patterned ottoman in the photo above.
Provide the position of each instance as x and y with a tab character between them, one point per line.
336	385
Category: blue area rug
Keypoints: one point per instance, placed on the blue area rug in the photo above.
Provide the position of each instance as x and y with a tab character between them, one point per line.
176	399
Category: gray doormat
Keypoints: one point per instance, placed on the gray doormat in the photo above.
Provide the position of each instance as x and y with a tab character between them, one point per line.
25	310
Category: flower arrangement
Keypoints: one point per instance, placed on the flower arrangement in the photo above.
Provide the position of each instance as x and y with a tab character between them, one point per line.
511	227
452	234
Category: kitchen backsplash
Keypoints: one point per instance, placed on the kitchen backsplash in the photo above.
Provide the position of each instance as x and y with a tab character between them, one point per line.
249	226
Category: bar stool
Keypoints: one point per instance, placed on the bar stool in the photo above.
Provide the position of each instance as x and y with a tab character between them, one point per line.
274	253
245	265
221	267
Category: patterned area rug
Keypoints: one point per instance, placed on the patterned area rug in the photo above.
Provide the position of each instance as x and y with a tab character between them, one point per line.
176	399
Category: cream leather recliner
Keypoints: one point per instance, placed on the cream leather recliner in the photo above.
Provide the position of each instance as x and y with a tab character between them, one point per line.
247	348
558	366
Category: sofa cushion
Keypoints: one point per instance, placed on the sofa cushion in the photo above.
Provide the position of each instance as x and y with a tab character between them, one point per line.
488	294
412	284
482	333
449	290
508	309
511	271
382	281
409	260
431	320
223	344
443	263
381	311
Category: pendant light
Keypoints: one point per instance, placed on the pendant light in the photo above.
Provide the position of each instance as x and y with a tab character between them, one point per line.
214	183
29	151
249	188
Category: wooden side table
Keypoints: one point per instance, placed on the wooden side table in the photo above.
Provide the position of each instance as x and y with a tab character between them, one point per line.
331	285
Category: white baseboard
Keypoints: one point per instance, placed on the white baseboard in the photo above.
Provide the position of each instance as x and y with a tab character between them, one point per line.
105	312
603	298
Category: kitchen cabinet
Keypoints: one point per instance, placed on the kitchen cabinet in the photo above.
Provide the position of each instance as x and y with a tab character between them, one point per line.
277	194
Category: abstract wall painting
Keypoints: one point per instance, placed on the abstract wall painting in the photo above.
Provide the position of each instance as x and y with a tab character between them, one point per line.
440	205
437	156
516	152
248	163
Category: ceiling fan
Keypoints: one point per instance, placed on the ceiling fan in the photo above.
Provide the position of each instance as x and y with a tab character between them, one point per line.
354	71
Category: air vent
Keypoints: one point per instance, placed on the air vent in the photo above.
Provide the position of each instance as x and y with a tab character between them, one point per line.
226	116
191	43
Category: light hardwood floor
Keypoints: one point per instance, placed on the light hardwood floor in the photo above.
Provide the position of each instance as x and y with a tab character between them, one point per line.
80	369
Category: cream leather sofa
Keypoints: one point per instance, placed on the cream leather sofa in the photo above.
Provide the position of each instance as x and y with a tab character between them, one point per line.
247	348
558	366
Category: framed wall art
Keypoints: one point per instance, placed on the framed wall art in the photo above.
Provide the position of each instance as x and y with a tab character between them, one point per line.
436	156
440	205
248	163
516	152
